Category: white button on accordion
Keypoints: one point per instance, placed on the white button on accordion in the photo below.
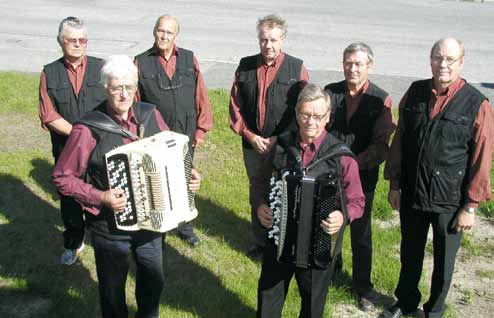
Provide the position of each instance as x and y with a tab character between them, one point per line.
154	173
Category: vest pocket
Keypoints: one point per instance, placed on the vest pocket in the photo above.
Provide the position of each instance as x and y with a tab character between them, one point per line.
446	186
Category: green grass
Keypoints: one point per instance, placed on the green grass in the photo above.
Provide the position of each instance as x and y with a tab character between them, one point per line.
214	280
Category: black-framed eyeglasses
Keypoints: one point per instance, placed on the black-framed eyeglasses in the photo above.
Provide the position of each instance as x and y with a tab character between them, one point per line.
306	117
169	83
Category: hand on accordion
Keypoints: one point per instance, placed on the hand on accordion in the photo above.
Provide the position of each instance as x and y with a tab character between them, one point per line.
265	215
333	222
114	199
195	181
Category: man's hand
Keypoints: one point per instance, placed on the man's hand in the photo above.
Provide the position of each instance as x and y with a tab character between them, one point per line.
333	222
263	145
195	182
265	215
198	142
463	221
394	199
114	199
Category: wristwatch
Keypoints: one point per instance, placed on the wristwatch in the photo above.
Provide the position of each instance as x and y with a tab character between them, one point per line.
471	210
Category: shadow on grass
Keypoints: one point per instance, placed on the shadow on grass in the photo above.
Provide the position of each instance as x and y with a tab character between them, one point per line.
191	287
188	286
31	245
221	222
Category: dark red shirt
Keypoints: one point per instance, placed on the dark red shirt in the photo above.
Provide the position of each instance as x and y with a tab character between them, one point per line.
74	158
265	76
478	188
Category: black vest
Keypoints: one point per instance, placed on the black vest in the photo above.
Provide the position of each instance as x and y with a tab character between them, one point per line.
67	104
281	96
436	152
175	97
104	222
357	134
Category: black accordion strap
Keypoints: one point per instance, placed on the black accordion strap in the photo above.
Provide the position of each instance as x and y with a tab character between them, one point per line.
100	120
336	150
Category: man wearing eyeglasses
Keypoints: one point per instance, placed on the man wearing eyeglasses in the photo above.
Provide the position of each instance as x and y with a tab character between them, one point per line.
439	173
315	152
69	88
170	78
363	120
262	103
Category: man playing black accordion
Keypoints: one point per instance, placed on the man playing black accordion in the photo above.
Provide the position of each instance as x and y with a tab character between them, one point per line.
81	173
311	162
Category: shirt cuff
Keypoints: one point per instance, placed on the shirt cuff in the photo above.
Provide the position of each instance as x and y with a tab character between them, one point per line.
200	134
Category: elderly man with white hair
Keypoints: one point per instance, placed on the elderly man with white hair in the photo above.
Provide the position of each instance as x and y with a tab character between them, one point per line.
69	89
81	173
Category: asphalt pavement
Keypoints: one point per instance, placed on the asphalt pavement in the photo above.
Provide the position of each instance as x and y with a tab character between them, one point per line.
220	32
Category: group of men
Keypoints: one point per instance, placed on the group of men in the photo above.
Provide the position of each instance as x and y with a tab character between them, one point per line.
438	163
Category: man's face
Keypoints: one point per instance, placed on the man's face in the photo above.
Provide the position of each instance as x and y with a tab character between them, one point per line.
446	63
312	118
121	93
270	43
73	43
356	68
165	34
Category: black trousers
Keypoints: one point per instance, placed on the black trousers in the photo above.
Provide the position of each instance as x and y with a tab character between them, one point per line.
361	237
273	286
73	222
112	265
414	227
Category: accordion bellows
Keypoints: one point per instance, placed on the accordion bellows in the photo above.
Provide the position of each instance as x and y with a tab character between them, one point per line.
154	173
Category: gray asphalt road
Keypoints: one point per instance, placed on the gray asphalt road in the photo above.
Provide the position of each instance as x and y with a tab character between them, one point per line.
220	32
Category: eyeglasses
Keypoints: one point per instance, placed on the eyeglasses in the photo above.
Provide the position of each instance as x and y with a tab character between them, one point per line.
72	41
449	59
307	117
169	86
117	90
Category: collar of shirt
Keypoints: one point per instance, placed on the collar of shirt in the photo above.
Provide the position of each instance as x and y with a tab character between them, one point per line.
451	89
279	59
126	124
68	65
157	52
362	90
309	149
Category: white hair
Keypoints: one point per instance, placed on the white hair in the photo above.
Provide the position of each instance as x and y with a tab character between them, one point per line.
118	66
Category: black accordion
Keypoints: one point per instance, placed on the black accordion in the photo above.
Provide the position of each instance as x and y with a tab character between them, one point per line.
299	203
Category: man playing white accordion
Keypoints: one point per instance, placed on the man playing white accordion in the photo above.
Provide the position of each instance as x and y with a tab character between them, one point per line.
310	152
81	173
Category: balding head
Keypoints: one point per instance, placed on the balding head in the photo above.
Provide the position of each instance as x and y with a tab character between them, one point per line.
449	42
447	58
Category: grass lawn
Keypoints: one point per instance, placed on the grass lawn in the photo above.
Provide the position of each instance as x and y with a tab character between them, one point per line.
213	280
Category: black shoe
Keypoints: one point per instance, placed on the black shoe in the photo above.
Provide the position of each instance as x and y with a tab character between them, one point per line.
190	239
255	252
365	304
393	312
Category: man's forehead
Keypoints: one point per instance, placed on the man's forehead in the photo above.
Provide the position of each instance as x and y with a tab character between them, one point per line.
448	48
356	56
168	22
74	33
270	31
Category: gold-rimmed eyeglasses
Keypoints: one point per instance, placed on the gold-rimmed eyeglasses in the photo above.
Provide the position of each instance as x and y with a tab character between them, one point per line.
306	117
119	89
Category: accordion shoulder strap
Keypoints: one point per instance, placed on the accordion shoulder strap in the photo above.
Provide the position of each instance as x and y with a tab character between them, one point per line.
339	150
100	120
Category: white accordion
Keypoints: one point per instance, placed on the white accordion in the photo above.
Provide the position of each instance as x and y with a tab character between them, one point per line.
154	173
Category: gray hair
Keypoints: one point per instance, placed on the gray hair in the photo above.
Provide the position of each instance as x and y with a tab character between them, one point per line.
442	41
272	21
310	93
163	17
360	47
118	66
70	22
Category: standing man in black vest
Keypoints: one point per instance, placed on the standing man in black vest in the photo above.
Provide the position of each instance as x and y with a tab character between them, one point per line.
262	105
69	88
363	120
438	169
170	78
